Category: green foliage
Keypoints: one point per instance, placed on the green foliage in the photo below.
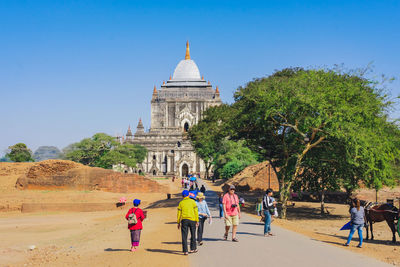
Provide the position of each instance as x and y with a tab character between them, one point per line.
289	114
207	136
104	151
232	158
19	153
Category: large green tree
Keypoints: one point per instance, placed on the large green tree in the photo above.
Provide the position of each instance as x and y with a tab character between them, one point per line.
19	153
102	150
288	114
207	136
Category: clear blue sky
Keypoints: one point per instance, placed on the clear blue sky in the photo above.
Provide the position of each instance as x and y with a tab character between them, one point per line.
69	69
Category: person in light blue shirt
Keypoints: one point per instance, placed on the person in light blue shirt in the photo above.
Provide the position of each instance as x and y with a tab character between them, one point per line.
357	222
204	213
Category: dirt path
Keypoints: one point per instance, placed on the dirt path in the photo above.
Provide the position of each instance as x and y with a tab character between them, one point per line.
88	239
285	249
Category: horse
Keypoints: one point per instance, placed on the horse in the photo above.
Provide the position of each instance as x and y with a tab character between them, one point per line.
379	213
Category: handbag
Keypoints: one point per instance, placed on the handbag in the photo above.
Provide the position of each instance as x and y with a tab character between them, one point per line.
132	219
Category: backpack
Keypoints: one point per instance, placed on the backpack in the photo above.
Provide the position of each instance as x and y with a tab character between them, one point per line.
132	218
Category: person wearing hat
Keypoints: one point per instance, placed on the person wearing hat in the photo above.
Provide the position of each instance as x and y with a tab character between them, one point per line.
204	213
135	228
231	206
188	219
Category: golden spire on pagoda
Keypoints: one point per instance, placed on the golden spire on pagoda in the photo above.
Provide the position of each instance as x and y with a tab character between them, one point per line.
155	90
187	56
202	77
170	78
163	82
216	90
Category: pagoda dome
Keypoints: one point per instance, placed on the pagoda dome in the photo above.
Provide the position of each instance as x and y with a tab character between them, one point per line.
186	70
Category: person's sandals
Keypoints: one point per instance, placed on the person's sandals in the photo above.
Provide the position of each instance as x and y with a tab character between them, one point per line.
225	236
235	240
200	243
271	234
186	253
345	244
359	246
193	251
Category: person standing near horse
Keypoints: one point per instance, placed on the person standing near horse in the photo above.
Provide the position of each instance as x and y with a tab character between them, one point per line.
357	222
135	217
268	209
204	213
188	219
231	206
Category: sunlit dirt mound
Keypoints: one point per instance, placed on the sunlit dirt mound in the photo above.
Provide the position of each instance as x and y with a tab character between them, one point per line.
258	177
63	174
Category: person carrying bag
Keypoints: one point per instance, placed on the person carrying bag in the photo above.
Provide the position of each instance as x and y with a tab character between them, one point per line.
268	211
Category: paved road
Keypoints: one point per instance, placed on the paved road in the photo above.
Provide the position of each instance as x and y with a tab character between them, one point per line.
253	249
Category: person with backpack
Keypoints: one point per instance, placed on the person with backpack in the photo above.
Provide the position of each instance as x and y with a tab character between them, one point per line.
135	217
268	209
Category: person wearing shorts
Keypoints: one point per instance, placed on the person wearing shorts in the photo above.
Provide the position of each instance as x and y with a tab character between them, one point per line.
231	207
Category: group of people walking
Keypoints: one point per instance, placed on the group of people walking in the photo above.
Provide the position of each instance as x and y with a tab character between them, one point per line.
193	212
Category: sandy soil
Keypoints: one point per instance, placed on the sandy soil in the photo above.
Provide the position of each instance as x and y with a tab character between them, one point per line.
89	238
305	219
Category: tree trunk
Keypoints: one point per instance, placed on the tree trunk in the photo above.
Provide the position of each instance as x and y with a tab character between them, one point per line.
323	201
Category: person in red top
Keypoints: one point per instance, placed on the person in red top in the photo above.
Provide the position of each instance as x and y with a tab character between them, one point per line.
135	228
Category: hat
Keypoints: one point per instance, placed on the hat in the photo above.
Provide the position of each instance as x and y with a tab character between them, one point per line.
192	194
185	193
200	195
232	187
136	202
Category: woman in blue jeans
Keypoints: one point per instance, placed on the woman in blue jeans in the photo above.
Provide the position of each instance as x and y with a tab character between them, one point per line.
268	205
357	222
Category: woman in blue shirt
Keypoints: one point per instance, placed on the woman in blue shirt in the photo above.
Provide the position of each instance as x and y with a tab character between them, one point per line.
204	213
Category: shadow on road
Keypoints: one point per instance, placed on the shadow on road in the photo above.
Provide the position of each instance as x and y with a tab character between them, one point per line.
252	223
172	243
116	249
213	239
380	242
166	203
168	251
247	233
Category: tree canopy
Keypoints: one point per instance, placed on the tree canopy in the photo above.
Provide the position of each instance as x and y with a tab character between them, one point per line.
102	150
325	126
19	153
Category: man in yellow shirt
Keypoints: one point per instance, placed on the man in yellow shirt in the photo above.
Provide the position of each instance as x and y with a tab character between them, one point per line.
188	218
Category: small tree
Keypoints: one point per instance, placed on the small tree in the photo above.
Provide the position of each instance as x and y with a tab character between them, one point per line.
19	153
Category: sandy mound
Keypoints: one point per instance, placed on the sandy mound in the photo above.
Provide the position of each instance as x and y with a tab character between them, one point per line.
254	178
63	174
10	172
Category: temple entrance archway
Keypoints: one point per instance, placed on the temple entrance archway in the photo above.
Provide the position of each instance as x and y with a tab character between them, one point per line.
185	170
186	127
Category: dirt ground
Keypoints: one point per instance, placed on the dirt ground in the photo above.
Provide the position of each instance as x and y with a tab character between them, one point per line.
87	238
305	218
